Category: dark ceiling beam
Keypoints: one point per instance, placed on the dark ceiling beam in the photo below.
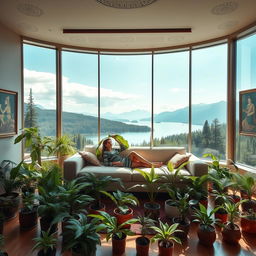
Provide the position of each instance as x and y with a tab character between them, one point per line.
122	31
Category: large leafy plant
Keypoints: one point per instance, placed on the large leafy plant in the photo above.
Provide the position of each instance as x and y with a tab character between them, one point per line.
122	200
45	242
83	235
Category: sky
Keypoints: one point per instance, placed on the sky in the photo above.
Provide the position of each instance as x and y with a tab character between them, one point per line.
125	80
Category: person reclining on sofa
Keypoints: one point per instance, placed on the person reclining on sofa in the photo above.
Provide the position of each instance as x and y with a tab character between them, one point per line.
112	157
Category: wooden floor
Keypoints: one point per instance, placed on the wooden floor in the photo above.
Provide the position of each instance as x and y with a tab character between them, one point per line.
20	243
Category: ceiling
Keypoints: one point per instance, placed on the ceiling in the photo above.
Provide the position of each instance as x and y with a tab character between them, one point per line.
46	19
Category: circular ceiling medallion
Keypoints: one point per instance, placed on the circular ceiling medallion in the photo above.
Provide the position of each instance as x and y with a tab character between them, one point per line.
126	4
224	8
30	10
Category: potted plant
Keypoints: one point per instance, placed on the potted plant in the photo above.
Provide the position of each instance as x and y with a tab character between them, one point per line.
231	232
152	208
35	142
165	235
95	186
142	242
83	236
206	231
247	187
122	199
28	213
248	222
63	146
114	231
183	221
46	243
49	207
10	200
2	253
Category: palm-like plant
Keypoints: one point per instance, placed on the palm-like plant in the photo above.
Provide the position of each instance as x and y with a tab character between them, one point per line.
83	235
204	218
122	200
166	234
45	243
198	189
151	185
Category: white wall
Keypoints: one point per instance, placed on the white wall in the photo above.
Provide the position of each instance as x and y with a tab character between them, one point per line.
10	79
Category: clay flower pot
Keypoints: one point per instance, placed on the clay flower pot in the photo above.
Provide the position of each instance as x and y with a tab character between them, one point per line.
118	245
142	246
165	251
231	234
121	218
28	219
248	225
206	236
221	216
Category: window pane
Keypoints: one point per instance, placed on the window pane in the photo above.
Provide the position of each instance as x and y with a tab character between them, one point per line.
40	89
209	93
125	97
246	79
80	97
171	99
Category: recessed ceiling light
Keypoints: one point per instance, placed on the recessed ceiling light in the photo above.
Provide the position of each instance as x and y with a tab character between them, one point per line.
126	4
30	10
224	8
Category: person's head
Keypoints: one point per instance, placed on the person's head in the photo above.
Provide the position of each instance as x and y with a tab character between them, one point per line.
7	100
107	145
249	100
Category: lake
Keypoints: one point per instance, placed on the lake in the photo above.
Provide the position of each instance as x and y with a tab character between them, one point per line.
162	129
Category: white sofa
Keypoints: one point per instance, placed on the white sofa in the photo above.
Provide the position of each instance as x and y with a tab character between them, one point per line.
75	166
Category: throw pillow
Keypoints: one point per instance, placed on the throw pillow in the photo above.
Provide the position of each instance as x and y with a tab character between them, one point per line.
90	158
178	159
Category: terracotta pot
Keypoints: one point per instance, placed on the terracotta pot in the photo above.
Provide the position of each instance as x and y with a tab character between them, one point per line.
142	246
231	235
93	210
152	210
121	218
248	225
165	251
251	204
244	194
204	202
235	199
10	205
206	236
222	217
118	245
184	226
28	220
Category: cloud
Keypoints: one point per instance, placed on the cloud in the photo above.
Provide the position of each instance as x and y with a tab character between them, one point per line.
77	97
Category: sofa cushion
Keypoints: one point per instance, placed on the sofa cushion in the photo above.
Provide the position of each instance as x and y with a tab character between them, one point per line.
90	158
179	159
123	173
136	176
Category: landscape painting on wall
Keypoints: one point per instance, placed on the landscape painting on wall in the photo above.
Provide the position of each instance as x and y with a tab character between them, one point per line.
8	113
247	112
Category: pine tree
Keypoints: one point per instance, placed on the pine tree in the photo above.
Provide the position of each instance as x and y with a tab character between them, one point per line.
31	115
206	135
217	141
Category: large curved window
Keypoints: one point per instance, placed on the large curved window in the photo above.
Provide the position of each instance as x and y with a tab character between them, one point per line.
125	97
209	95
171	99
80	97
246	79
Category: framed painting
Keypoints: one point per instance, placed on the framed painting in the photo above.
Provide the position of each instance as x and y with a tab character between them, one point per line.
247	112
8	113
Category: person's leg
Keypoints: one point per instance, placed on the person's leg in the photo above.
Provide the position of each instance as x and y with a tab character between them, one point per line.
140	160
